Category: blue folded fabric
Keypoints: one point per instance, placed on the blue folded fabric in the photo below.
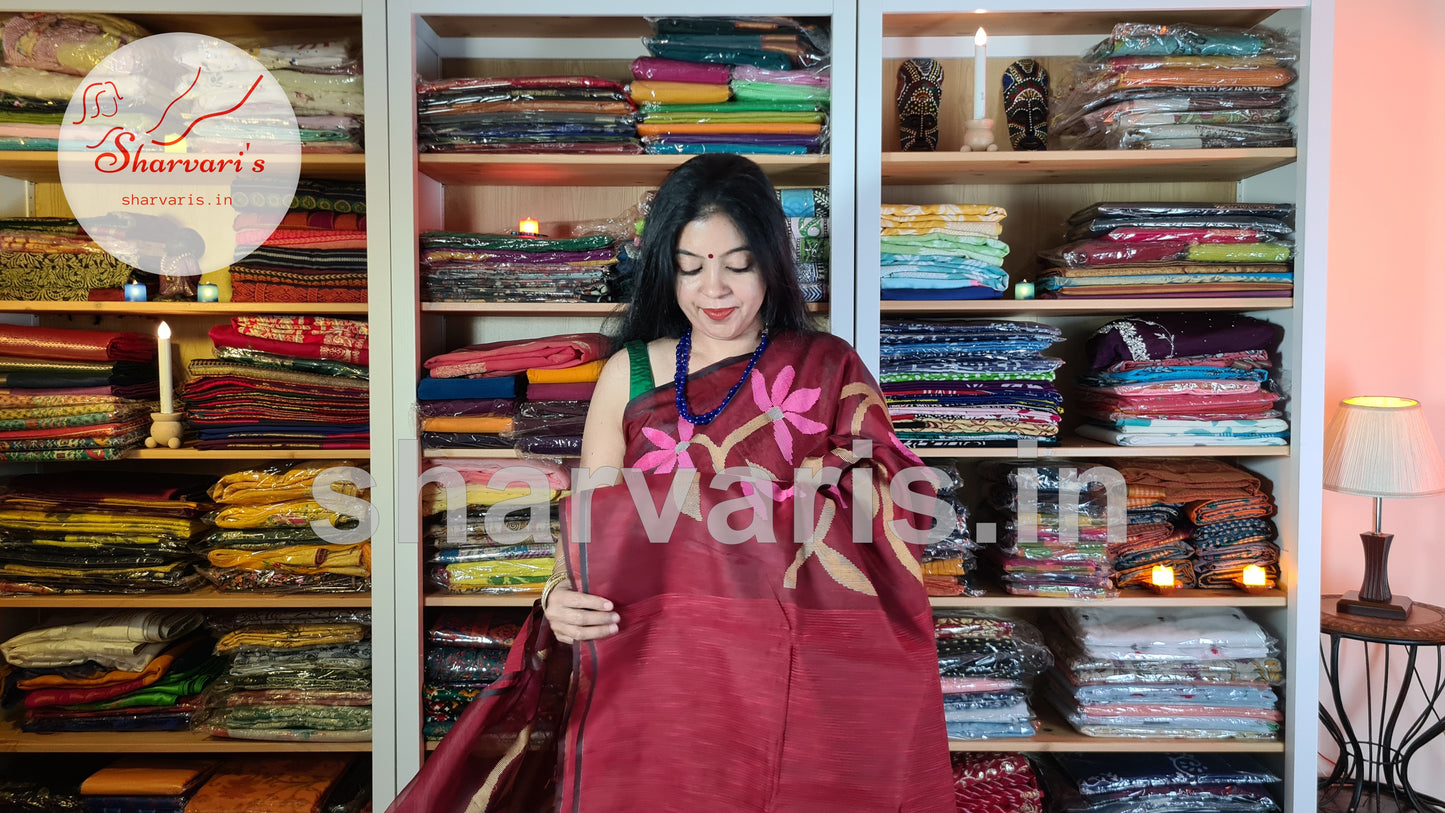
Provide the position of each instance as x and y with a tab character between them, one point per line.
441	389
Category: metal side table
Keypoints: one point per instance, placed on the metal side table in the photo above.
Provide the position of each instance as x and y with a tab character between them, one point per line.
1373	771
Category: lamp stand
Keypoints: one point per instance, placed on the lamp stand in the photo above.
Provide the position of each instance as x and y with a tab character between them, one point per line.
1373	599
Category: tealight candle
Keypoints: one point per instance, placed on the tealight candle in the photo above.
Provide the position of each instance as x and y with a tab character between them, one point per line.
1024	290
208	292
1161	580
135	292
529	227
1254	576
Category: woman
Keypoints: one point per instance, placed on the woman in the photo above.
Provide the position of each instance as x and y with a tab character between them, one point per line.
718	664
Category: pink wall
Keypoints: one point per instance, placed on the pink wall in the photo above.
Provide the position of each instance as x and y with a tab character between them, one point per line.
1387	280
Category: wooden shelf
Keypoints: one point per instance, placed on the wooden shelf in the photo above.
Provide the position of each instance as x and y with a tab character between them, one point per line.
490	454
42	167
1081	166
184	308
481	600
244	454
539	27
600	170
1080	447
14	741
1052	24
990	307
204	598
1190	597
1056	735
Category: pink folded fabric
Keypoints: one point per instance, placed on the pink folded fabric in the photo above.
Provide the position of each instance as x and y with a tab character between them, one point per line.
510	358
560	392
751	74
673	70
479	472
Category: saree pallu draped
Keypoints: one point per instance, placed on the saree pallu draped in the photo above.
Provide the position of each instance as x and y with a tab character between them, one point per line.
781	642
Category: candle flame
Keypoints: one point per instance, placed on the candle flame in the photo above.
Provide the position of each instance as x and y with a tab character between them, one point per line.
1162	576
164	331
529	226
981	38
1254	576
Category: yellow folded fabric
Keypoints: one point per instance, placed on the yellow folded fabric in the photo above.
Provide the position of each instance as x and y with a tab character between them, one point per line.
507	571
982	211
478	424
581	374
678	92
148	776
435	498
347	560
258	486
960	229
277	515
292	636
86	522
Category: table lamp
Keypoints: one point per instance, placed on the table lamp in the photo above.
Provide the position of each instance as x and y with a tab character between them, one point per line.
1380	446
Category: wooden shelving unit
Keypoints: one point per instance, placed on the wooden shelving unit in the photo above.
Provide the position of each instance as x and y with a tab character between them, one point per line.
1082	166
182	309
184	453
204	598
43	167
992	598
1057	736
984	308
1080	447
14	741
604	170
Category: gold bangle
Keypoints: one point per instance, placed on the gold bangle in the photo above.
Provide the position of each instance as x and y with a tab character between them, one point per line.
552	582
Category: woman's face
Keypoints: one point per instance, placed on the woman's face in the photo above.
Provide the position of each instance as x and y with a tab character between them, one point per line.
719	288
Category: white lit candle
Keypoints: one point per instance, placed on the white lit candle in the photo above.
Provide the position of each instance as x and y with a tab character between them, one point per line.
1254	576
980	72
163	363
1024	290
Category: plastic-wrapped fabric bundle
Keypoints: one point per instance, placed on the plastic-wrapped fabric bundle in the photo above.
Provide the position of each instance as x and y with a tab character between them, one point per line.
942	251
1000	782
1159	783
533	114
987	664
1155	672
1162	251
303	675
751	86
1179	86
465	652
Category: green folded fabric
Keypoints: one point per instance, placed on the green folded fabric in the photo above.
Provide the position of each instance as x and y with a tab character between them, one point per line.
750	90
1239	252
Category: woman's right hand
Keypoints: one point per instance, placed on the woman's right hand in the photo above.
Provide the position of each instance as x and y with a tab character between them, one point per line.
578	616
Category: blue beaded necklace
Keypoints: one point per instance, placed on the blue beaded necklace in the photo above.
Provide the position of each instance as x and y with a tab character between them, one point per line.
679	379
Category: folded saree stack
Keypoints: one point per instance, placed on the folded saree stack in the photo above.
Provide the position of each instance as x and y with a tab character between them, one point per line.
313	783
526	114
463	267
301	675
1055	530
996	782
1182	379
264	538
1159	783
52	258
714	84
136	671
1198	673
1180	86
322	76
964	383
1170	250
950	563
94	532
942	251
316	254
74	394
132	784
282	382
465	653
1217	513
988	665
46	57
529	395
479	546
809	215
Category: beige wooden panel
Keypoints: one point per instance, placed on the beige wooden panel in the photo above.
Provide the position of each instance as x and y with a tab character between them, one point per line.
956	106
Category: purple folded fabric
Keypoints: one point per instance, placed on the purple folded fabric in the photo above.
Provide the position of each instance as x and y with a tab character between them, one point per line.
1170	335
751	74
673	70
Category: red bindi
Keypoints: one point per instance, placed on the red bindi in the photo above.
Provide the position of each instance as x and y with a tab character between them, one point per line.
709	256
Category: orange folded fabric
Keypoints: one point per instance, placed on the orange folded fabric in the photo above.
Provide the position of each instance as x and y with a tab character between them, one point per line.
724	128
273	784
116	677
148	776
678	92
479	424
581	374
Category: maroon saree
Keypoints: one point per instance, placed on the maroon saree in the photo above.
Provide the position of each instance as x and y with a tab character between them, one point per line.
747	675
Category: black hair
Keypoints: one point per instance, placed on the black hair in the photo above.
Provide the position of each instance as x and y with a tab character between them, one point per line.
714	183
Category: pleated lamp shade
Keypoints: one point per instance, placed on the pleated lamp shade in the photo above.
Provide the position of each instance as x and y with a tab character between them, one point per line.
1378	446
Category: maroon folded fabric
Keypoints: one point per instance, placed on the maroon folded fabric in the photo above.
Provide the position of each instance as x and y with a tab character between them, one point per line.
561	392
657	69
75	345
510	357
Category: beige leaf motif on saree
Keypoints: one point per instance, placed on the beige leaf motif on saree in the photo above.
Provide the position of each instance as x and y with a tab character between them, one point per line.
836	564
